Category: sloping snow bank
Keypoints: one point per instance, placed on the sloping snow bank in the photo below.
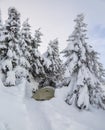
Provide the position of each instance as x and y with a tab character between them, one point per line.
15	115
18	111
64	117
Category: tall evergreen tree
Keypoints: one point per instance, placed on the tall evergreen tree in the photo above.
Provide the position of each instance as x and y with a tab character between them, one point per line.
85	86
12	28
37	38
25	45
37	59
1	26
54	68
12	38
22	70
2	37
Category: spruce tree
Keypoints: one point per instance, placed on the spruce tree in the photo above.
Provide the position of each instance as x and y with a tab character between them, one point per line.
2	37
85	86
37	38
25	45
1	27
37	59
54	68
12	28
25	40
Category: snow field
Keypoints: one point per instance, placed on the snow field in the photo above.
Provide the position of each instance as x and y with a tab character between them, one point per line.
18	111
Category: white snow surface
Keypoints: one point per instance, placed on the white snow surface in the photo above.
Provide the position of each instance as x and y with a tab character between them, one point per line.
18	111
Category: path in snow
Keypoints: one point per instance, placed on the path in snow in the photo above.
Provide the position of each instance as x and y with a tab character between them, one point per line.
37	116
11	112
36	120
19	114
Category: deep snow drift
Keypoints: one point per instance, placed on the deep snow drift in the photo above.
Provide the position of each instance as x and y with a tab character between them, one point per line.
20	112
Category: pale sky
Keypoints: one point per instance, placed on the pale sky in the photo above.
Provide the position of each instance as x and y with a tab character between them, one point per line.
55	18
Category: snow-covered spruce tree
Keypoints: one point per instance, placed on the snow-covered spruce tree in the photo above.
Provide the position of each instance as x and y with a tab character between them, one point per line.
97	67
2	37
1	27
23	67
37	59
37	38
12	28
85	86
25	45
53	65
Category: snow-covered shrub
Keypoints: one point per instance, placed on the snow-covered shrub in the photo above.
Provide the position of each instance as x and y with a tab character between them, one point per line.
10	78
6	65
21	73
